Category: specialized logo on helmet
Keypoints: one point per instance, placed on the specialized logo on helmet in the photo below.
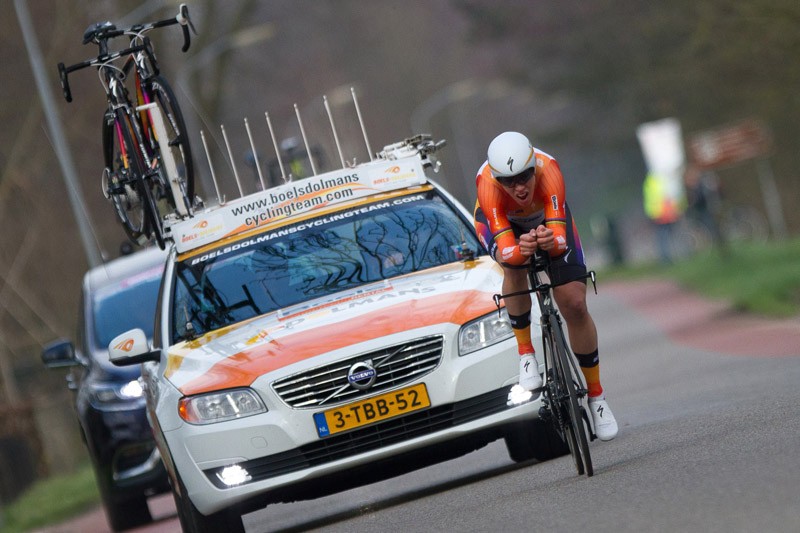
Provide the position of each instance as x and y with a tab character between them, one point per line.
362	375
510	164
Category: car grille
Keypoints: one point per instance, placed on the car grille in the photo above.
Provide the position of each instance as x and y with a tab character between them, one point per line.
372	437
394	365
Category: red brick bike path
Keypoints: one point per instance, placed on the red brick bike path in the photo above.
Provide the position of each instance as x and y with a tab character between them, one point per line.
711	325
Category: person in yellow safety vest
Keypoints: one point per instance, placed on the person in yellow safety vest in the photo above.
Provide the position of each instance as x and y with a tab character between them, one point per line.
664	205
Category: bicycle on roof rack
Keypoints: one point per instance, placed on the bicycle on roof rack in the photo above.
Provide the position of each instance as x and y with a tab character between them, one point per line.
149	169
564	391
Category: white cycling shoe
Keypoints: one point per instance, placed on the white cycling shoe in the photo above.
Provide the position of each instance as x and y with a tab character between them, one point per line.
529	377
605	425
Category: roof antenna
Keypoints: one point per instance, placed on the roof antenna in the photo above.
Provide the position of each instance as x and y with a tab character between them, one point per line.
233	164
255	155
333	129
361	122
220	199
275	144
305	140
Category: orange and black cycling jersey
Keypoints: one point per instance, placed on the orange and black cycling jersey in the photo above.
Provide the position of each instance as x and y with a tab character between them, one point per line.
547	206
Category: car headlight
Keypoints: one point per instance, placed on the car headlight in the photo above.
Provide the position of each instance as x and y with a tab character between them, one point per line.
111	393
483	332
220	406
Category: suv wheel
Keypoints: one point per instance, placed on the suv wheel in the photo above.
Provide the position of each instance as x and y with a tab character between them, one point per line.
126	514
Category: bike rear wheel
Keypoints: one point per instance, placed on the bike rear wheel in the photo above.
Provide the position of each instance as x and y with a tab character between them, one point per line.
122	177
160	92
569	383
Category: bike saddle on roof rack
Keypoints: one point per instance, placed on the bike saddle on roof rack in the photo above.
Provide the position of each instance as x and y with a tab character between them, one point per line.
97	30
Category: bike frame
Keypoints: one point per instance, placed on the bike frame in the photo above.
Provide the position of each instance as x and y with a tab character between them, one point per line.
547	308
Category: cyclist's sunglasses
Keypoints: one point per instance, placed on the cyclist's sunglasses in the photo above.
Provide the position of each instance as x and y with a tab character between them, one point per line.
517	179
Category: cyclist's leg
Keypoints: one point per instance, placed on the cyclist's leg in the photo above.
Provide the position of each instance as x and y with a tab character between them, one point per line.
570	269
571	301
515	279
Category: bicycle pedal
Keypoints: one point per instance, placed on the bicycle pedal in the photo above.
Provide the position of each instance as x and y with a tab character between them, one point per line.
545	413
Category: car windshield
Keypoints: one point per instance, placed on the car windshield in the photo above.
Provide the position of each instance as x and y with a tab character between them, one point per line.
316	258
129	304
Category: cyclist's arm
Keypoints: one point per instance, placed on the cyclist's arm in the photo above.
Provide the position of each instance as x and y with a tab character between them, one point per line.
551	192
492	201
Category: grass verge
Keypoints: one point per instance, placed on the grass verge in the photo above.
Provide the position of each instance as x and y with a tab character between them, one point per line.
51	500
760	278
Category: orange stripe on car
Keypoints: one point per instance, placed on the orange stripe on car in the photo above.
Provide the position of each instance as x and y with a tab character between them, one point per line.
241	369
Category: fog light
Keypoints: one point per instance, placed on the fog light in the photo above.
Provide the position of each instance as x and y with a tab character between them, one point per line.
234	475
517	395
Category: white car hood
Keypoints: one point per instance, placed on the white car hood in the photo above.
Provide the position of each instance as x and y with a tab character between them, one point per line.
237	355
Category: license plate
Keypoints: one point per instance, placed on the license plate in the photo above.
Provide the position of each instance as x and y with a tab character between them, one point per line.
372	410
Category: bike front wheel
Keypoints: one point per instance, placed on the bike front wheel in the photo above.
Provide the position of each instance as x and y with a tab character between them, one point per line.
571	413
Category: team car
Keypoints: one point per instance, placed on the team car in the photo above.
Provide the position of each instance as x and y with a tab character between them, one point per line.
328	331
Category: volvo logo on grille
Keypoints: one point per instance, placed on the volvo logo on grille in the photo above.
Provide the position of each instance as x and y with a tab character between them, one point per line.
362	375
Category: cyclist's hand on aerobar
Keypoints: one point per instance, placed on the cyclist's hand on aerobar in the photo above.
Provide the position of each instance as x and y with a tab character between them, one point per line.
528	243
544	238
535	239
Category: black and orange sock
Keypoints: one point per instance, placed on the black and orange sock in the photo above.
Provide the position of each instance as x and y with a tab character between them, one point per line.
521	326
590	367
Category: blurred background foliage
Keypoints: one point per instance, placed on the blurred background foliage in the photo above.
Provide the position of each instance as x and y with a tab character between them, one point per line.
577	77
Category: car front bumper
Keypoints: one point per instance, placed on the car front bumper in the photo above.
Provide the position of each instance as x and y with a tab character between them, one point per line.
281	447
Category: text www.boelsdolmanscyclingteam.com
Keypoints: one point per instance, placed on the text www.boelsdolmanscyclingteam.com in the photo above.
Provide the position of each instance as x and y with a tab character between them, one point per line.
285	203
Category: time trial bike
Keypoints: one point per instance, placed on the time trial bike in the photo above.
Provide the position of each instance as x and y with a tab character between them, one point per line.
564	392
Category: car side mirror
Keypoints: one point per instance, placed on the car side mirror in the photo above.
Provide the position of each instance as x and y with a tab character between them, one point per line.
59	353
131	348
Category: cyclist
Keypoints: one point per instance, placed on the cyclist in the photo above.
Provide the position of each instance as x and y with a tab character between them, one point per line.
522	208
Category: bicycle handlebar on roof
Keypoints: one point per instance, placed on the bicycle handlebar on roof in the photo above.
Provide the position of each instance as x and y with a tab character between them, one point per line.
100	34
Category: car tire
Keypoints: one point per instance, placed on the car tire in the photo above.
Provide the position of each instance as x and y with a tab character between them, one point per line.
535	439
123	511
126	514
193	521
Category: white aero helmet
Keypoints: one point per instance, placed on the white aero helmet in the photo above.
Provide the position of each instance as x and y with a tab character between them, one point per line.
509	154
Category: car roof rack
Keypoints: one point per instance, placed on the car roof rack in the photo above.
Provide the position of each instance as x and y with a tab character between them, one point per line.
397	166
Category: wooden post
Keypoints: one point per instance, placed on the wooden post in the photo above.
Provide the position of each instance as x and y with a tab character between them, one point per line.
772	198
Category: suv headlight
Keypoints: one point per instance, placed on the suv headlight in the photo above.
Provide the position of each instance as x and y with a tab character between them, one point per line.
105	393
220	406
484	331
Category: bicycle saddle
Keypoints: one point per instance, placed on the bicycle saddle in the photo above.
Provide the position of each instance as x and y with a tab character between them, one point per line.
97	30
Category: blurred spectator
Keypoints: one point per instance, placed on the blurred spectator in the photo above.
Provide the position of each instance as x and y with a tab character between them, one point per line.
664	207
704	200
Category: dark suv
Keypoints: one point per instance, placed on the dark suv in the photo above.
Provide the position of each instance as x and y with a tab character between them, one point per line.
110	406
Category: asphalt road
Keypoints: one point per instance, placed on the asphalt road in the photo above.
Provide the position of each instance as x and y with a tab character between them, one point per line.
709	441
